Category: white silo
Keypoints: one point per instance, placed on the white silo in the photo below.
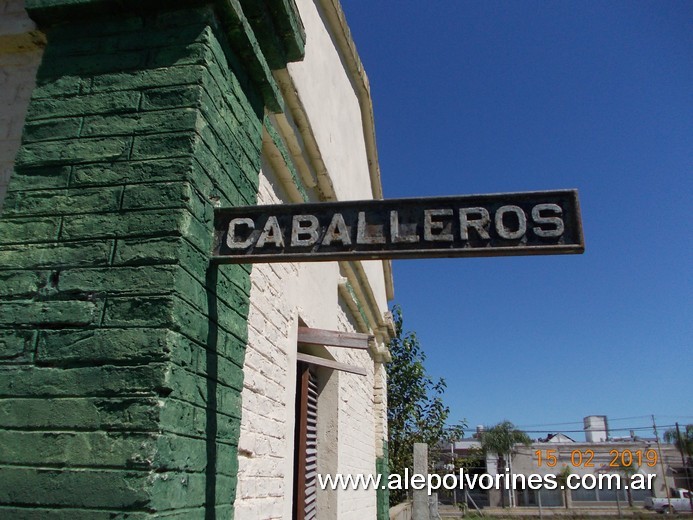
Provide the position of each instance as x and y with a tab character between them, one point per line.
596	428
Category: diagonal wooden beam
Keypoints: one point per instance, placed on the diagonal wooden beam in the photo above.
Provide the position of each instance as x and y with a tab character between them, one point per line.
329	363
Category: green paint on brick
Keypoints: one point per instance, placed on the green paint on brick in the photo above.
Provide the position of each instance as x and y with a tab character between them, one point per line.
102	346
16	345
37	178
156	250
78	151
151	379
125	224
18	284
132	172
289	25
111	103
38	513
52	129
62	86
87	449
48	313
17	231
88	413
141	123
121	357
186	96
382	468
143	80
168	195
180	144
61	202
359	305
56	255
261	21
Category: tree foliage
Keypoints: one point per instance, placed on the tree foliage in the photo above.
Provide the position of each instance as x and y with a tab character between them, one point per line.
415	408
626	471
562	479
501	439
683	440
683	443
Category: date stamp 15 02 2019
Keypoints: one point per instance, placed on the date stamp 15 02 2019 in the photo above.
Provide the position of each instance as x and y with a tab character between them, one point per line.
586	458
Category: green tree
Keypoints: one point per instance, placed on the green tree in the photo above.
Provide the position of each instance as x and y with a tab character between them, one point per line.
562	479
501	440
472	462
683	443
626	471
415	408
683	440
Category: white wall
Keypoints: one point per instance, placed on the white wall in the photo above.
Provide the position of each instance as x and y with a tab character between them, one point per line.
352	420
328	95
280	295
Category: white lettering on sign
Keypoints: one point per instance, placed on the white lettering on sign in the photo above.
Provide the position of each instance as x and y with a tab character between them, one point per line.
271	233
362	234
431	225
337	230
506	231
395	231
554	220
479	224
231	241
304	230
434	229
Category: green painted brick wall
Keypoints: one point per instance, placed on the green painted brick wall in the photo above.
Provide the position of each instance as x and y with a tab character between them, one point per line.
382	468
121	351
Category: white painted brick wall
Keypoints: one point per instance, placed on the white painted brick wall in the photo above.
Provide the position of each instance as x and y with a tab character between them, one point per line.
266	437
279	295
356	426
19	59
380	398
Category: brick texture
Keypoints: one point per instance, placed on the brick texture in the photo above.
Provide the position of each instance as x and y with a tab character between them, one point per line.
121	354
267	425
265	441
357	425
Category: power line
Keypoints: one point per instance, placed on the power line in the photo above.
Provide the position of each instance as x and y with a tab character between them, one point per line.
623	429
609	419
548	424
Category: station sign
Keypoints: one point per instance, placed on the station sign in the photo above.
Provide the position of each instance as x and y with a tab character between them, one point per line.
504	224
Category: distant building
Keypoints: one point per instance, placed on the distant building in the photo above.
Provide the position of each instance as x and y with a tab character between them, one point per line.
599	454
596	428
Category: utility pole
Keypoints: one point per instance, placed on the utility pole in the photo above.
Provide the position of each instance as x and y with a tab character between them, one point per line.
420	508
685	466
661	462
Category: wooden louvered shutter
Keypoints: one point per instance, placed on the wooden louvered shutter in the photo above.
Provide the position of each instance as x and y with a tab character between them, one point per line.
306	455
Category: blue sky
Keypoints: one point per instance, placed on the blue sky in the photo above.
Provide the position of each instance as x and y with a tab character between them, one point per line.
486	97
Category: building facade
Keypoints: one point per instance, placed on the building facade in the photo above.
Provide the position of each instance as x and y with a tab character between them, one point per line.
587	462
139	380
601	455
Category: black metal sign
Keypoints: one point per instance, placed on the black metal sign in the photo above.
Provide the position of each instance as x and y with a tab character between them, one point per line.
532	223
